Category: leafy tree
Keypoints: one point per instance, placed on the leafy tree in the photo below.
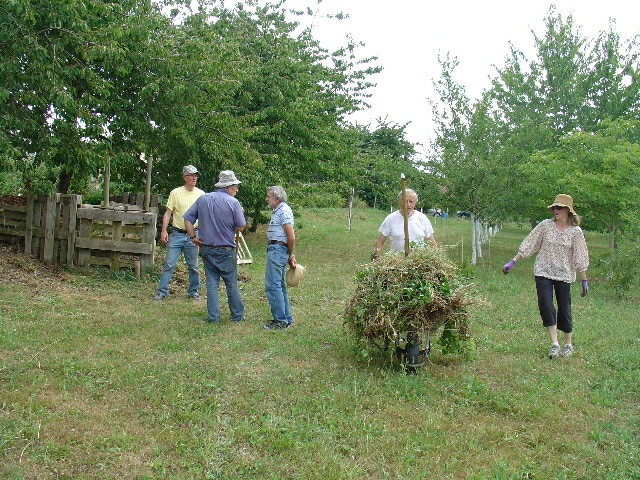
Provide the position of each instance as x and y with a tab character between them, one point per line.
572	86
601	170
294	98
469	163
67	75
494	157
187	103
383	154
86	82
612	80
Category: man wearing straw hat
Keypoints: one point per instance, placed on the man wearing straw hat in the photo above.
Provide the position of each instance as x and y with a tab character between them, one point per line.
177	241
281	242
392	227
220	216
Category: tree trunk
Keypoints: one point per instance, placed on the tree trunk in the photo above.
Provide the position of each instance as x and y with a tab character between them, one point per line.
64	182
474	245
479	238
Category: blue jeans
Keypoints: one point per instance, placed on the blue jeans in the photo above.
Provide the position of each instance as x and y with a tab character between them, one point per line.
274	285
221	262
180	243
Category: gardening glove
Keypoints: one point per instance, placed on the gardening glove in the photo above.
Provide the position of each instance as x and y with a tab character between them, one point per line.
585	288
508	266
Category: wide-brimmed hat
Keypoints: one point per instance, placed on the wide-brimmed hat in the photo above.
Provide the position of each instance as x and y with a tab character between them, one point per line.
190	170
227	177
563	200
294	275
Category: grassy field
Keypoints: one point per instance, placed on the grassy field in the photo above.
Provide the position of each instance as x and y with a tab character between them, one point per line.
98	381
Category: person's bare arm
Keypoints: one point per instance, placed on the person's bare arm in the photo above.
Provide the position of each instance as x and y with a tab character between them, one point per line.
164	234
291	243
191	231
380	242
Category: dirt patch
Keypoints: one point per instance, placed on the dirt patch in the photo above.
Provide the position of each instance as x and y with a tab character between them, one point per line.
21	269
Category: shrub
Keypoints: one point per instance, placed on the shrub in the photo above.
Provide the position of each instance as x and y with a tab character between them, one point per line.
318	195
622	266
417	293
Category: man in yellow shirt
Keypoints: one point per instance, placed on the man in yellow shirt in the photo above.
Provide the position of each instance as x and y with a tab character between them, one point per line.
176	237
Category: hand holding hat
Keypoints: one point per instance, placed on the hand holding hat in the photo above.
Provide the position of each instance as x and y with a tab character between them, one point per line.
294	275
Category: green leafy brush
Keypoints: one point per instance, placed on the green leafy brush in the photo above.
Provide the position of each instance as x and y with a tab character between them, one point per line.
416	293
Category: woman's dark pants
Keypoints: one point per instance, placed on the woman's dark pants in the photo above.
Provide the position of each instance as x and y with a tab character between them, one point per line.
546	288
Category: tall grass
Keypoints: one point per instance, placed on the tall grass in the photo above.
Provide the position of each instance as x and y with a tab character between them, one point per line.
98	381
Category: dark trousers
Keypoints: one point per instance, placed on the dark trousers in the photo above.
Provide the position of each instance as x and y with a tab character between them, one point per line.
546	288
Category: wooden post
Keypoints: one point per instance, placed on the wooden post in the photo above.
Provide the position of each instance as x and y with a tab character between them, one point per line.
350	207
84	232
116	236
147	188
28	227
149	230
50	220
107	176
70	220
403	184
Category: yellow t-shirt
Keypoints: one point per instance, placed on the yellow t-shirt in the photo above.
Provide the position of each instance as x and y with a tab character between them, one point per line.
180	199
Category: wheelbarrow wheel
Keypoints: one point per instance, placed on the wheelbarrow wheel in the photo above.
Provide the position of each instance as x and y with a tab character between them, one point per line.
412	355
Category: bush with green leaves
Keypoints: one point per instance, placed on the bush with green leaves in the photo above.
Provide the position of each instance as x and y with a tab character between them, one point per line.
318	195
420	292
621	267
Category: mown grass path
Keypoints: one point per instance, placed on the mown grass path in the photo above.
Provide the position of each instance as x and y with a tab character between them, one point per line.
97	381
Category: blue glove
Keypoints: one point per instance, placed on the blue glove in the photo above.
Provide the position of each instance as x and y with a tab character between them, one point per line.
585	288
508	266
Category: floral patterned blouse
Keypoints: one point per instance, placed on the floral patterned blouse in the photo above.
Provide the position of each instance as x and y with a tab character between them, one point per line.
561	254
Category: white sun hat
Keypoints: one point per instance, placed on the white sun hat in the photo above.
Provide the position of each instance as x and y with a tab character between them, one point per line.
294	275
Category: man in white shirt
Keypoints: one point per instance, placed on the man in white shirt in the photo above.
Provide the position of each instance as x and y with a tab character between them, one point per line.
420	229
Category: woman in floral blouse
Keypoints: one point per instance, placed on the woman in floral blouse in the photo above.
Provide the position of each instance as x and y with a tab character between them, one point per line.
562	252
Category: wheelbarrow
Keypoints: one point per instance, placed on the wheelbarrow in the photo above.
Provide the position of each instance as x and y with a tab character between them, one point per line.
417	345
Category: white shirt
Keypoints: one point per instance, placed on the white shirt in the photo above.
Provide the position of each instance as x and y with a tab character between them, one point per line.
393	228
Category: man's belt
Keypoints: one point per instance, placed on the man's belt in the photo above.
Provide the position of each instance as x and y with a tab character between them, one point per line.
278	242
179	230
227	247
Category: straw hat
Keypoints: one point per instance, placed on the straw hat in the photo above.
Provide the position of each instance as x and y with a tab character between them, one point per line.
563	200
227	177
294	275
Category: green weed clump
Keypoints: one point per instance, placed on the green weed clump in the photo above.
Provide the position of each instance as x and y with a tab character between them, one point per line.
420	292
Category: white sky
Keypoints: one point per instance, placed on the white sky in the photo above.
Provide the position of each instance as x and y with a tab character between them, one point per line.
407	35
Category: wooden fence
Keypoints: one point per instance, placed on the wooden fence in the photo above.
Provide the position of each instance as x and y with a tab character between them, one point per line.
60	229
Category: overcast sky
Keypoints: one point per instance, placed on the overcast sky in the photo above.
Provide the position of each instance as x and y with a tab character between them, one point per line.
406	36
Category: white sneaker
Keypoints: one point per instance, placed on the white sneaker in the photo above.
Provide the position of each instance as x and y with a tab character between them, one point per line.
567	350
554	351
